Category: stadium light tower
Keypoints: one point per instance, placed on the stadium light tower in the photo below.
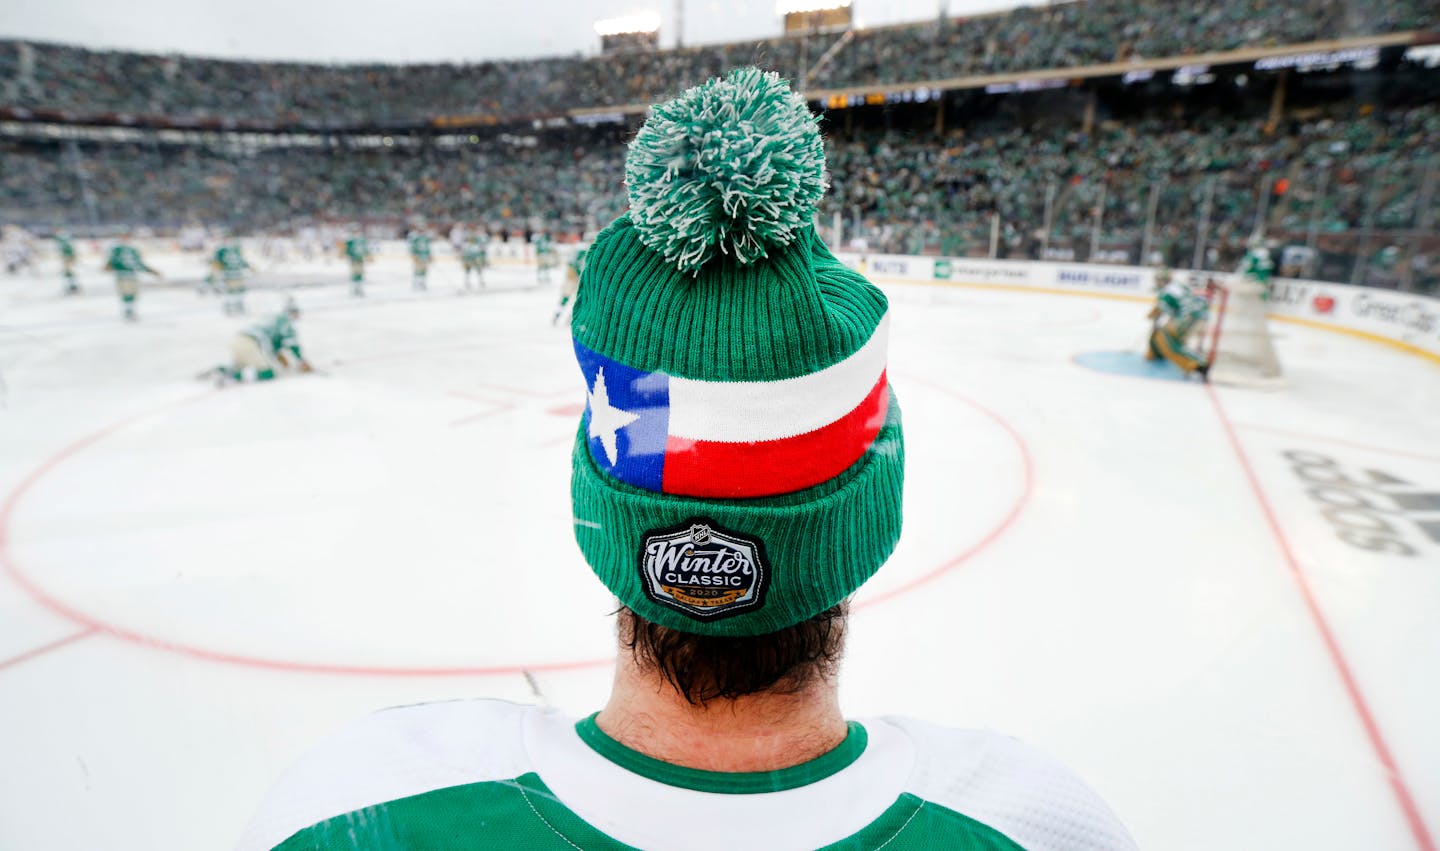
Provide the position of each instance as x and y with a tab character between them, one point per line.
630	33
804	18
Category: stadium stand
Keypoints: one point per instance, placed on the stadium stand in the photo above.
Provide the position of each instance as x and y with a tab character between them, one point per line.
1103	171
1064	35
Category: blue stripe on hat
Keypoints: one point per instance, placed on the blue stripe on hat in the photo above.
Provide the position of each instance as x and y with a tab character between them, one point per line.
639	399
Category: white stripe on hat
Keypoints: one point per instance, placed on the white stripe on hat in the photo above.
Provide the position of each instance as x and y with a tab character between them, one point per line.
751	411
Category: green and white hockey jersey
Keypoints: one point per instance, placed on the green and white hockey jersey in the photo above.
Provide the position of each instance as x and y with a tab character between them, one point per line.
275	336
1181	310
229	262
545	254
65	247
125	262
488	774
1258	266
356	249
476	250
420	246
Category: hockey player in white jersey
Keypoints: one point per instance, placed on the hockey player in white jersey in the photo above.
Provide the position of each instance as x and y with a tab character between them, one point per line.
571	286
474	257
732	543
228	271
17	248
547	258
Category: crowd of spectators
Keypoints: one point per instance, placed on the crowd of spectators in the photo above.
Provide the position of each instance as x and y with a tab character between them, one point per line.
1321	173
1069	35
502	182
86	82
630	78
1062	35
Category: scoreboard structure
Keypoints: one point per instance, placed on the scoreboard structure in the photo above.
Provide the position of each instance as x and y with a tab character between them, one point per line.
808	16
632	34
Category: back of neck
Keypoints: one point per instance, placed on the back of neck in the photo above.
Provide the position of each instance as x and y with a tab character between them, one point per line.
762	732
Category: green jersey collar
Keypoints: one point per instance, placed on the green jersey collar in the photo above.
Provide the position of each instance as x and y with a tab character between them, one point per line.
725	782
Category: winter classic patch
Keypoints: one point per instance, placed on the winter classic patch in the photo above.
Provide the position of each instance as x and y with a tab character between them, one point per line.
706	571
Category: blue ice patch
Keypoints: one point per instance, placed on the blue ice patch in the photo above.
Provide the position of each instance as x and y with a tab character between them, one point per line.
1132	364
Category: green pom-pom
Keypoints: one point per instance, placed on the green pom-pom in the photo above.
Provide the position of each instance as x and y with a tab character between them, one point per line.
733	166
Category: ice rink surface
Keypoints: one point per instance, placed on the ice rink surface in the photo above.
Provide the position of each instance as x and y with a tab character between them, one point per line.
1219	606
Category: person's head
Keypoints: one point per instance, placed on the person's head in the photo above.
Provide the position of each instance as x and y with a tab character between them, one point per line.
738	470
292	308
704	668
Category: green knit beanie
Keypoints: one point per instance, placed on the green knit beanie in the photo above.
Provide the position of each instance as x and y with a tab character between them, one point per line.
739	465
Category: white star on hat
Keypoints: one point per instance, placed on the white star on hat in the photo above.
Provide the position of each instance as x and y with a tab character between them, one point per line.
606	419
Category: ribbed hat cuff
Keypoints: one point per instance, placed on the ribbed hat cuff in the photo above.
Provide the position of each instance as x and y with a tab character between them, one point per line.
820	544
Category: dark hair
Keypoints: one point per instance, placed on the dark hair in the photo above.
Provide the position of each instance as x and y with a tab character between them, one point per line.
703	668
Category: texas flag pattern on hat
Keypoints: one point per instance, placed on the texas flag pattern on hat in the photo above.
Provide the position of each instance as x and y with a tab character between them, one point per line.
734	439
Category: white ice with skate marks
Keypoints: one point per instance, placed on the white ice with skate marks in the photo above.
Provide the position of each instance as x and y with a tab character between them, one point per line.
1085	565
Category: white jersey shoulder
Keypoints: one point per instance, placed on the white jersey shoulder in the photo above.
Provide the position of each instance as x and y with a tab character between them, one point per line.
399	753
393	754
1030	797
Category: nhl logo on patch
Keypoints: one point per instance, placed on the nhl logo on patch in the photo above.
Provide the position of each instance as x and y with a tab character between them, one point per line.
704	570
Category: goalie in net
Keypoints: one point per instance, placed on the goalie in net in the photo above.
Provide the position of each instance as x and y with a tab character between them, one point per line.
1218	330
1178	325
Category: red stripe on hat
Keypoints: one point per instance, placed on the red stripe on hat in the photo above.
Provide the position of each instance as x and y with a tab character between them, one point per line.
737	470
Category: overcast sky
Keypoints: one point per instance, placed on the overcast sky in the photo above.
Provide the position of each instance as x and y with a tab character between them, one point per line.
403	30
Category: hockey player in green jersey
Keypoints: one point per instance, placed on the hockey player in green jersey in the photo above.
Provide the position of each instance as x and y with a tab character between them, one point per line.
357	251
261	350
419	242
229	267
732	549
67	262
571	285
1178	313
474	257
546	257
127	265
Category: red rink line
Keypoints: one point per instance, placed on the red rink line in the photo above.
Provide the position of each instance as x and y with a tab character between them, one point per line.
535	394
1028	466
500	408
1418	830
1340	441
46	648
93	625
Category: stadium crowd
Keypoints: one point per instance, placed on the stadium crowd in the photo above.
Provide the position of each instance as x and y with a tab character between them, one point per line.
1067	35
565	186
1323	171
1063	35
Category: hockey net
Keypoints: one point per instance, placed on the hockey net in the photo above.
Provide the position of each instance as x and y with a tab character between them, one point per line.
1240	347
